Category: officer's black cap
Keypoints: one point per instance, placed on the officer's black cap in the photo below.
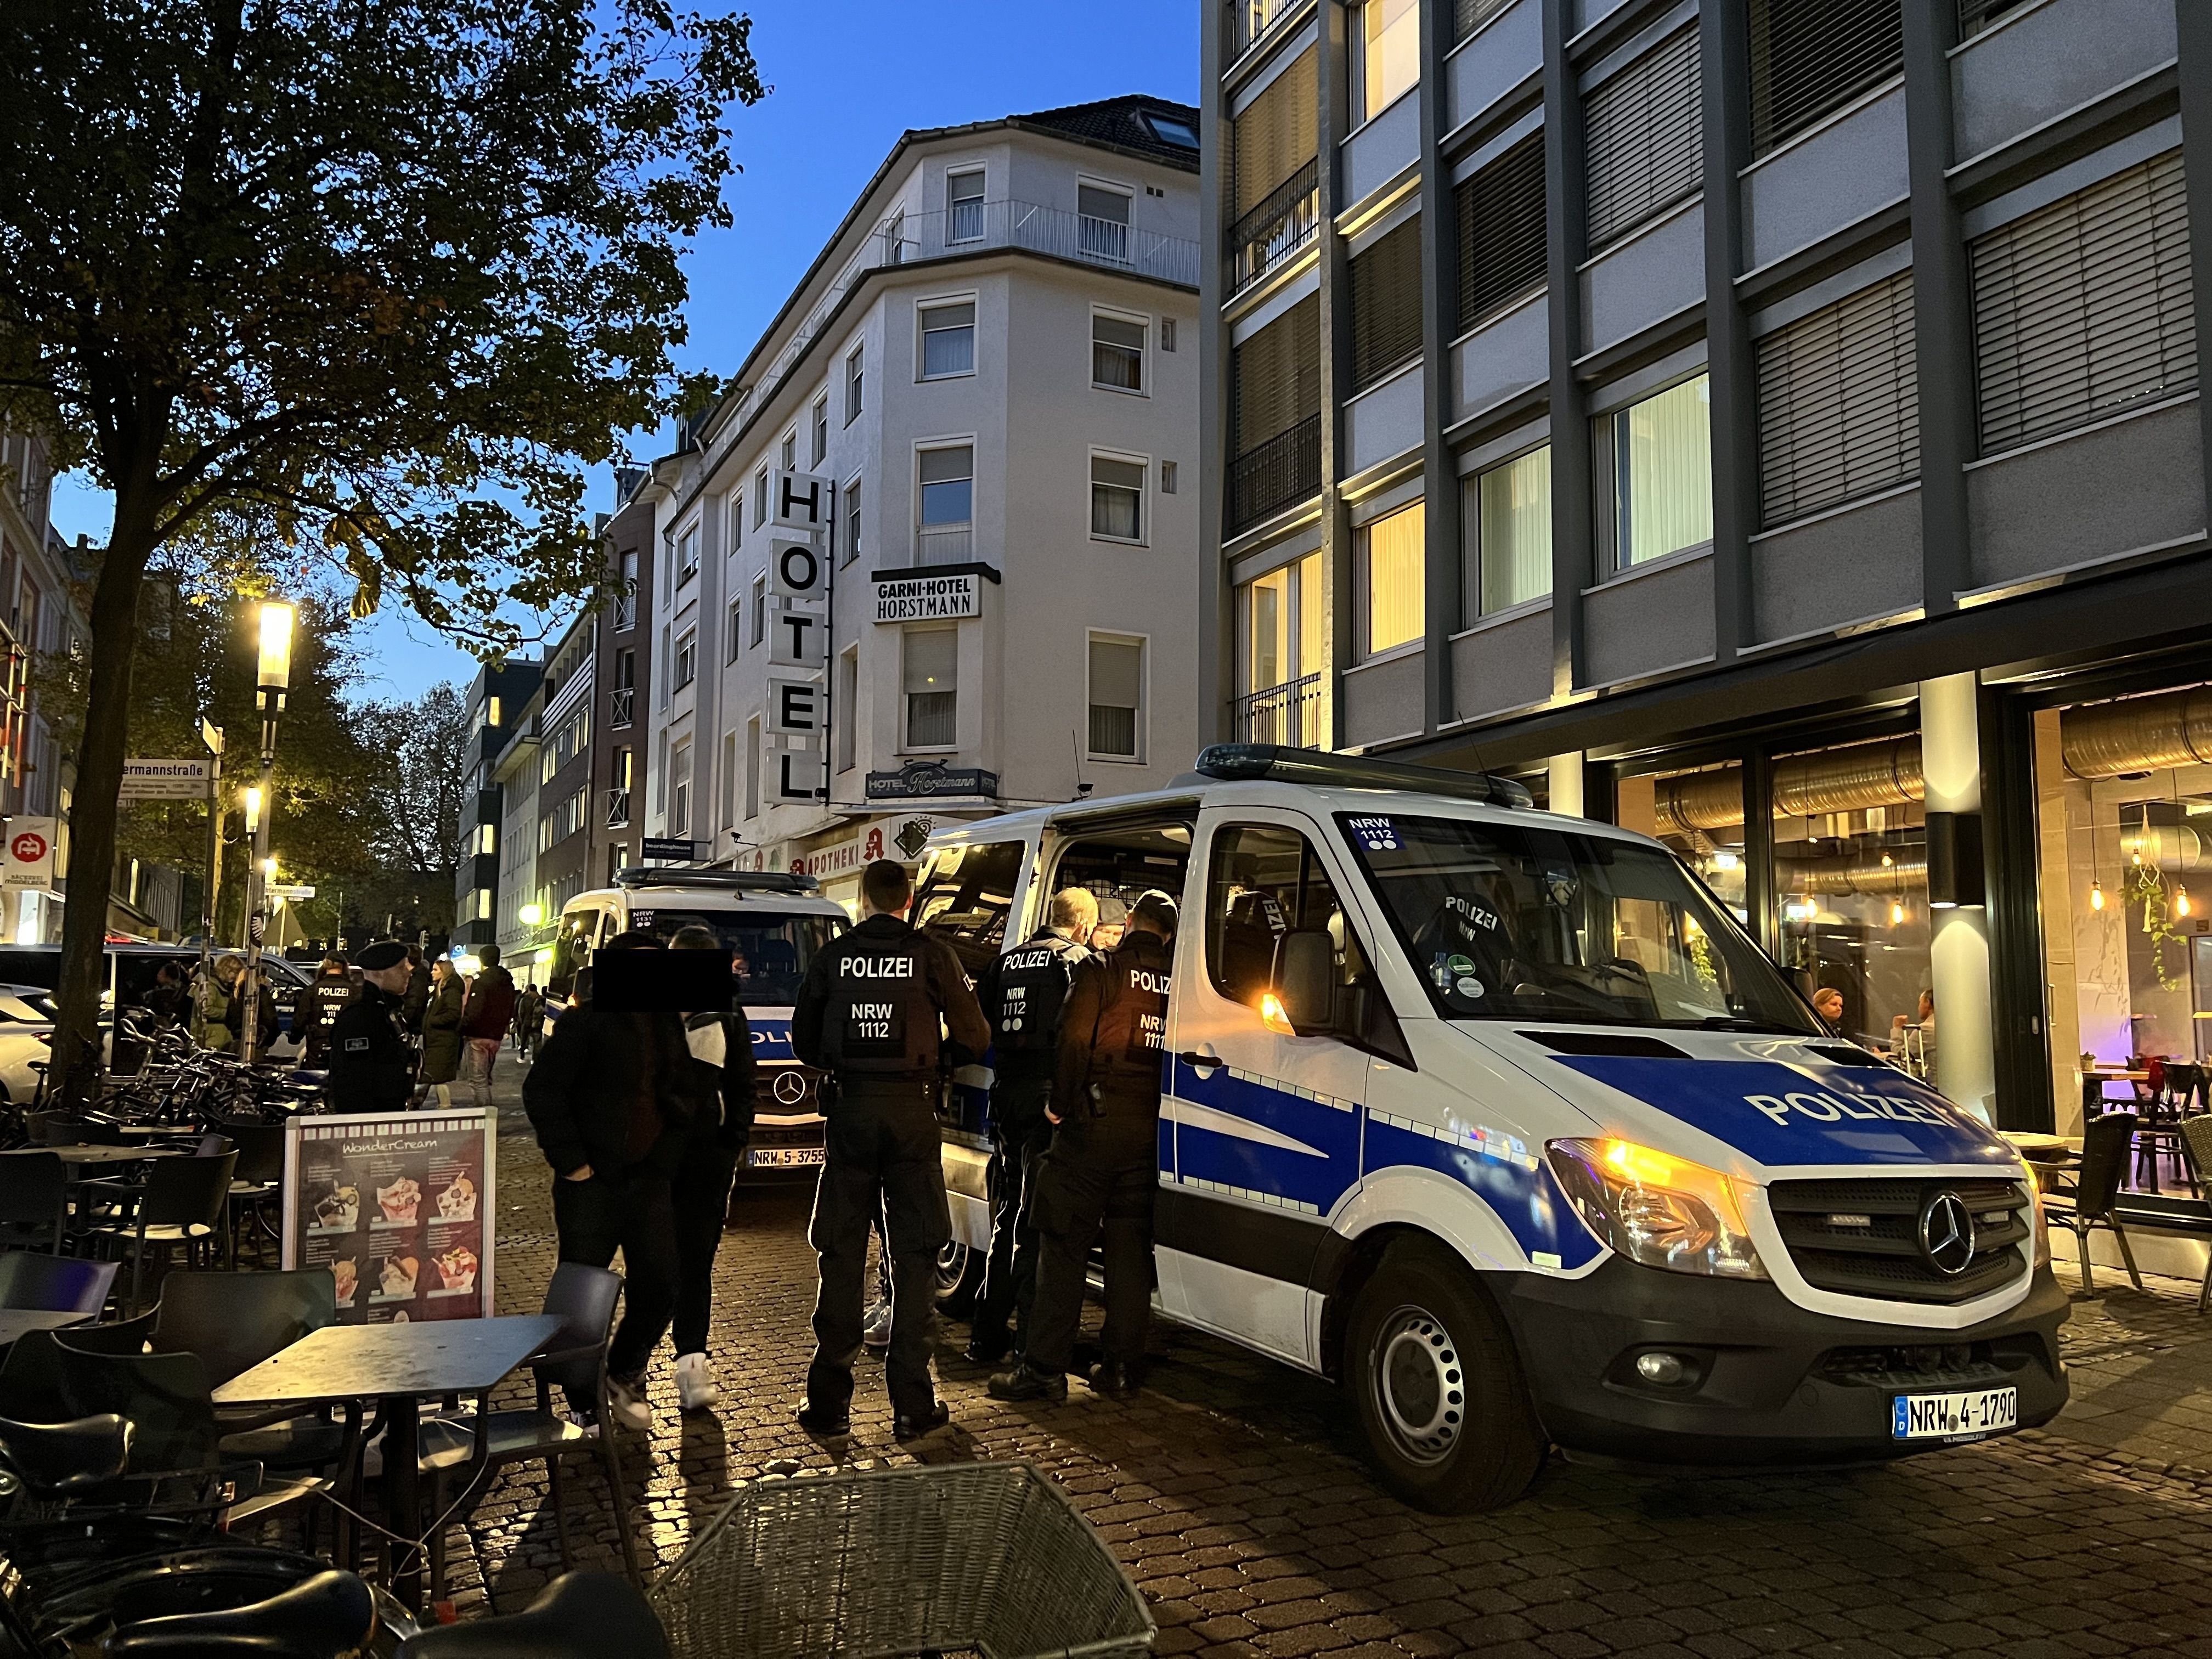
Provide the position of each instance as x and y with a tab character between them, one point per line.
1156	907
384	953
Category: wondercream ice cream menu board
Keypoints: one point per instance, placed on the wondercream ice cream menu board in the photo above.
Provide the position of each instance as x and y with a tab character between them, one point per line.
398	1208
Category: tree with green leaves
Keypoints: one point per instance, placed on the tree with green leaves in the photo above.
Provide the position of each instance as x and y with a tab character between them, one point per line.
362	285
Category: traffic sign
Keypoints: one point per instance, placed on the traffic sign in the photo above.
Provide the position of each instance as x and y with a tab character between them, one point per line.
30	857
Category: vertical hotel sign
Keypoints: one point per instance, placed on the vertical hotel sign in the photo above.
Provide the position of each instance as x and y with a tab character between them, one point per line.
399	1207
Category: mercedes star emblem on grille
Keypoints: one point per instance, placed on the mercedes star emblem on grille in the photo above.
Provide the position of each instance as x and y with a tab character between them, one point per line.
1947	1233
789	1088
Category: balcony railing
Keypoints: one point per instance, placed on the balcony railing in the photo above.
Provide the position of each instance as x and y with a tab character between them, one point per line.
1272	232
1105	240
622	706
625	612
945	543
1248	20
1288	713
1281	472
965	223
617	809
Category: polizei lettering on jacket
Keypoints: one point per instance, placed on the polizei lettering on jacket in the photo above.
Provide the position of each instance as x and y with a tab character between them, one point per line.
1824	1106
877	967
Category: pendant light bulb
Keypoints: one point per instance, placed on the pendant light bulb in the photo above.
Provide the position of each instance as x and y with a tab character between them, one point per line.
1896	912
2180	900
2096	894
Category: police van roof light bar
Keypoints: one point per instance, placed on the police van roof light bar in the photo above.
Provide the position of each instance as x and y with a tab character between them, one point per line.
735	881
1251	763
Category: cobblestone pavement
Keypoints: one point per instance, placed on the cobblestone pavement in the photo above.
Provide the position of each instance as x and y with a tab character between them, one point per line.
1233	1492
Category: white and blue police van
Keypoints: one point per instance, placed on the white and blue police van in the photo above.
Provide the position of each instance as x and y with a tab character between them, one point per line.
1501	1119
772	924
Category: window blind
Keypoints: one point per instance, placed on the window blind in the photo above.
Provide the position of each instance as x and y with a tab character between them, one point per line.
1811	57
1838	404
1500	215
1386	305
1469	16
1278	133
1277	375
2083	307
1644	138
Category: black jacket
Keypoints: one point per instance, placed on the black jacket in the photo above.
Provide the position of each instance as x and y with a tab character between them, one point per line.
606	1083
371	1069
722	1095
946	988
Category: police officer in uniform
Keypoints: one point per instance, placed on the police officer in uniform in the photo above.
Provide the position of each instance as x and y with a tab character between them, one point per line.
330	992
1023	993
371	1069
869	1014
1103	1168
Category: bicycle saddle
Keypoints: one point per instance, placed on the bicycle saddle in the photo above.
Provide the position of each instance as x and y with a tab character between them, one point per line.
580	1615
65	1457
330	1613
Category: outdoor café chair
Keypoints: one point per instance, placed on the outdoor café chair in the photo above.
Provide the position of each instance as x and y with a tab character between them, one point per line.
2197	1137
31	1371
2105	1147
256	1184
180	1208
54	1283
473	1445
34	1200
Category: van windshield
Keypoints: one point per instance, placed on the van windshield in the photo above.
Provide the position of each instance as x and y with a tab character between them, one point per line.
771	951
1515	921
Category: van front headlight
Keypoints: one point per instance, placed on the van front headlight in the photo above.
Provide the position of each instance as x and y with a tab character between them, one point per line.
1660	1210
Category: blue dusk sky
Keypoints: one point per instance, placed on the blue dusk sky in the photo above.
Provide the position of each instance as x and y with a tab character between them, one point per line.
850	75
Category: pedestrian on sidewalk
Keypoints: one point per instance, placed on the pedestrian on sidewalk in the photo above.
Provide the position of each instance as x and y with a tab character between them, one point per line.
610	1102
721	1047
415	998
489	1012
529	1018
441	1028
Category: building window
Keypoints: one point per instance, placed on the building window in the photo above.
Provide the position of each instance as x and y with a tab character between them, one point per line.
1838	403
1385	305
728	780
1644	138
687	555
1506	528
492	712
618	789
1392	576
948	505
1117	684
737	641
1273	175
486	843
1662	473
621	698
1167	333
845	712
760	608
752	767
788	454
626	601
1386	55
760	498
1809	58
963	207
1274	404
679	790
821	428
1117	499
737	505
1167	478
948	340
663	657
1503	249
1117	353
853	386
2083	307
1102	224
687	660
852	521
932	668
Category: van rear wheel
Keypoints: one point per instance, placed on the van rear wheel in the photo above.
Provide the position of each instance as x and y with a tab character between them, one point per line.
1439	1386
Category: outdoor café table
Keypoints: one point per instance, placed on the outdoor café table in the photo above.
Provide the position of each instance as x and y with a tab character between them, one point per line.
82	1155
398	1365
21	1321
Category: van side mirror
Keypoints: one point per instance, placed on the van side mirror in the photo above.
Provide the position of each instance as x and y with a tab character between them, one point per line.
1306	980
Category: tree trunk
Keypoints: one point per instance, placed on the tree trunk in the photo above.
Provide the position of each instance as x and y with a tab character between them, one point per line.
94	809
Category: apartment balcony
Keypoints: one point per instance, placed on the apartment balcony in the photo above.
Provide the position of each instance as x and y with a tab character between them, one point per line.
1290	714
622	706
1281	472
1249	21
945	543
617	810
1274	230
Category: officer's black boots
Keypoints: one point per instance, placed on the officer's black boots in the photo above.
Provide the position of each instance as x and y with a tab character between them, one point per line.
904	1427
1113	1379
1026	1382
822	1423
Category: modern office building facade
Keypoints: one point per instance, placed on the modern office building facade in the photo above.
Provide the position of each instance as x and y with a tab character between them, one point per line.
495	702
1771	424
993	360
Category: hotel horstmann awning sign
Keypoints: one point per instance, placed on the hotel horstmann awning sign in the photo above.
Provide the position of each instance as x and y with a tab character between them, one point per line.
932	593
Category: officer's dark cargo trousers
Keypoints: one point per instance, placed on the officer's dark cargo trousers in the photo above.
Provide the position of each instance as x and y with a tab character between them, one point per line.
1021	1133
1102	1174
881	1154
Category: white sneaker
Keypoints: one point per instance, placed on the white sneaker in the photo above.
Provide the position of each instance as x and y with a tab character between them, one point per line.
632	1409
694	1383
877	1332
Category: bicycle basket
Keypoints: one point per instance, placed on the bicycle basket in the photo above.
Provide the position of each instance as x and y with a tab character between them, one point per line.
989	1559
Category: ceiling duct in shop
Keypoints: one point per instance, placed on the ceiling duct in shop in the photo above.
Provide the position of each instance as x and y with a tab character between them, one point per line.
2139	734
1858	872
1805	786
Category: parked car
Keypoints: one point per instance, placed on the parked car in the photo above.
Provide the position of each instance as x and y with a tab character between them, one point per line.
131	968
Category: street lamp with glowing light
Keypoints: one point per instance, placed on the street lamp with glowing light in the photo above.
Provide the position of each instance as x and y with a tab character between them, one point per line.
276	656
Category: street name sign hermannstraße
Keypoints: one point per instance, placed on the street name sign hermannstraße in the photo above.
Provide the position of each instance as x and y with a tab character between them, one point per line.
166	780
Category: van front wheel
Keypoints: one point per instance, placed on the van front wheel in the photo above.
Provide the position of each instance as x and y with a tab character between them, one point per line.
1439	1386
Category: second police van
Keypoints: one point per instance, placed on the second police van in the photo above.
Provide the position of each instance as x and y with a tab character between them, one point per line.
772	924
1502	1120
